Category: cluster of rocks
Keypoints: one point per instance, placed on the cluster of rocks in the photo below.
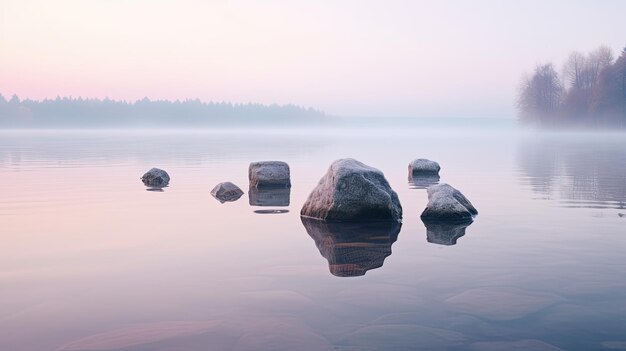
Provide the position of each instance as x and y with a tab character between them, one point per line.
353	214
270	184
353	191
349	191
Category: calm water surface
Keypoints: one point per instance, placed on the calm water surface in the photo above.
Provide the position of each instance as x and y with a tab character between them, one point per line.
90	260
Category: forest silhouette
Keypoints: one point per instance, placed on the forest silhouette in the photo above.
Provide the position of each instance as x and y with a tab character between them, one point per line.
94	113
590	91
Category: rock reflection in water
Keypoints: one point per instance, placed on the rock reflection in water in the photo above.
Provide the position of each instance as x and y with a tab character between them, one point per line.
269	196
353	248
423	181
276	211
445	233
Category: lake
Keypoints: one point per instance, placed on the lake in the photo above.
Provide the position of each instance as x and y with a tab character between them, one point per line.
90	260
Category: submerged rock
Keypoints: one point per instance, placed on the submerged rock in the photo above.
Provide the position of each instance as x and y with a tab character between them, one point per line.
269	196
448	204
269	174
156	178
226	192
443	233
518	345
145	336
353	191
409	336
422	166
501	303
274	331
353	248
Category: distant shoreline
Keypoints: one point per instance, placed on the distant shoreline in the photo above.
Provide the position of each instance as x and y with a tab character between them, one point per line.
106	113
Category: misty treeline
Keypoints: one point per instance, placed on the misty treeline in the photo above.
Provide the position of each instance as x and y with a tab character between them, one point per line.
588	91
78	112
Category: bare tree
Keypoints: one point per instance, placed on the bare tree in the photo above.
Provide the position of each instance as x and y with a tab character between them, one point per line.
604	55
583	75
595	93
596	61
582	72
573	70
540	94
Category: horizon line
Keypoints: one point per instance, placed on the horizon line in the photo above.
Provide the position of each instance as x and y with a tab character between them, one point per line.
9	97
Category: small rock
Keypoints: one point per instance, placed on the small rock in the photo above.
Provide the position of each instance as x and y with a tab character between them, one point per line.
226	192
156	178
423	166
447	203
423	173
269	174
353	191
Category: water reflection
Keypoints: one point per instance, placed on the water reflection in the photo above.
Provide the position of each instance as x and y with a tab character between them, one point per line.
423	181
445	233
271	211
576	170
23	150
353	248
265	196
137	250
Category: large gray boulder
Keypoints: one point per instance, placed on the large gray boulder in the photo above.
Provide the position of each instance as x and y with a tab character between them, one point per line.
448	204
269	174
156	178
353	191
226	192
422	166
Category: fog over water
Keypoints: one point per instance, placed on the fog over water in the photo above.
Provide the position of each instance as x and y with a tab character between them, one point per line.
395	58
93	261
99	251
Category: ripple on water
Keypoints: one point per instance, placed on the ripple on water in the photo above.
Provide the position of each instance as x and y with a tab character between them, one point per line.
503	303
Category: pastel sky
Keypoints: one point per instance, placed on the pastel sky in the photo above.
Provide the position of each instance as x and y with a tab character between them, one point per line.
353	57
